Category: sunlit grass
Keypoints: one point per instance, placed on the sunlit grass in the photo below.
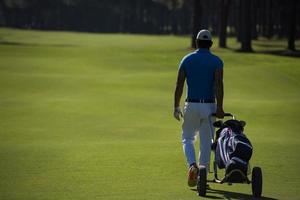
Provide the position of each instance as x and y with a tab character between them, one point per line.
89	116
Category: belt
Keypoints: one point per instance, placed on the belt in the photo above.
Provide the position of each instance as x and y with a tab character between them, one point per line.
200	100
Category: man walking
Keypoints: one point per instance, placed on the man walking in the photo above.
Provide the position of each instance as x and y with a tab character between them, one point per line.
203	73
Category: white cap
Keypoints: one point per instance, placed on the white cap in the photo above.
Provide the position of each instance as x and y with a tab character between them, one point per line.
204	35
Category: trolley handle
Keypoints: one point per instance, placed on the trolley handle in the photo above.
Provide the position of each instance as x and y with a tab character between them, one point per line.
225	115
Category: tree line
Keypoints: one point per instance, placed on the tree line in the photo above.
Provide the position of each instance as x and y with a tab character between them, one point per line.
244	19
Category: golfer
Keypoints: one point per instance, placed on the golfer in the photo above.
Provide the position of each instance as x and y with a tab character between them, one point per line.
203	72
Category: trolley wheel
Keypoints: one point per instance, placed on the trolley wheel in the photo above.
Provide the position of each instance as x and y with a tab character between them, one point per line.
201	181
256	181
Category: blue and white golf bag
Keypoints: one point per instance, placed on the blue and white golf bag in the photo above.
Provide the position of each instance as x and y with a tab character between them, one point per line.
233	150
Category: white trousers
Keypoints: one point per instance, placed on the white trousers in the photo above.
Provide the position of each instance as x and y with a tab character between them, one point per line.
198	121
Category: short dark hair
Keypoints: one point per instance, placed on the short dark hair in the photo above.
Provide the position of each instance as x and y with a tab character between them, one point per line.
204	43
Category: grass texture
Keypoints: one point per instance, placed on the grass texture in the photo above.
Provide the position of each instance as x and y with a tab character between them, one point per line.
89	116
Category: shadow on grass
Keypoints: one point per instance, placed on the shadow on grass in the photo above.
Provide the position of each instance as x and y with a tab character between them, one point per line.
285	53
231	195
269	45
282	52
33	44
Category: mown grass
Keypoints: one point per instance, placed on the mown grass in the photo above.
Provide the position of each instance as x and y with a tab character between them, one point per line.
89	116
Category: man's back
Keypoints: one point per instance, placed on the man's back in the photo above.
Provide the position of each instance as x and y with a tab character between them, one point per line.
204	76
199	68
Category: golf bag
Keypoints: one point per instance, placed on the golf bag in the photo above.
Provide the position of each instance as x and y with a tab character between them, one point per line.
233	149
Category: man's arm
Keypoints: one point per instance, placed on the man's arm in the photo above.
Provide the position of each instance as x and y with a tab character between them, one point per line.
178	93
219	92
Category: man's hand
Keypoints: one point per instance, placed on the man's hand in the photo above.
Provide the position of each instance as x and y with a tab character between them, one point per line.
220	113
177	113
177	95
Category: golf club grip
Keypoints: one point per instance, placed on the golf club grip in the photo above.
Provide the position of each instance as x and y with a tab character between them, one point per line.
225	115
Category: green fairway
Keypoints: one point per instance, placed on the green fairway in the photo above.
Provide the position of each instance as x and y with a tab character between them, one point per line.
90	116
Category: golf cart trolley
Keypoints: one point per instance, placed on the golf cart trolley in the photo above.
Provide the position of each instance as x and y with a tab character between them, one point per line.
234	176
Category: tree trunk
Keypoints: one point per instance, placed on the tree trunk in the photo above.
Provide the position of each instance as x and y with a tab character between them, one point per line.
223	23
254	20
245	25
269	19
292	24
196	21
3	9
238	20
174	23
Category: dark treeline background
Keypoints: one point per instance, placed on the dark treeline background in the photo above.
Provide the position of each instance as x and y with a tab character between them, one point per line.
128	16
245	19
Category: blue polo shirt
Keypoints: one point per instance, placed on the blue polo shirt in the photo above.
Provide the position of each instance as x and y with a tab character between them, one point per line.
199	67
